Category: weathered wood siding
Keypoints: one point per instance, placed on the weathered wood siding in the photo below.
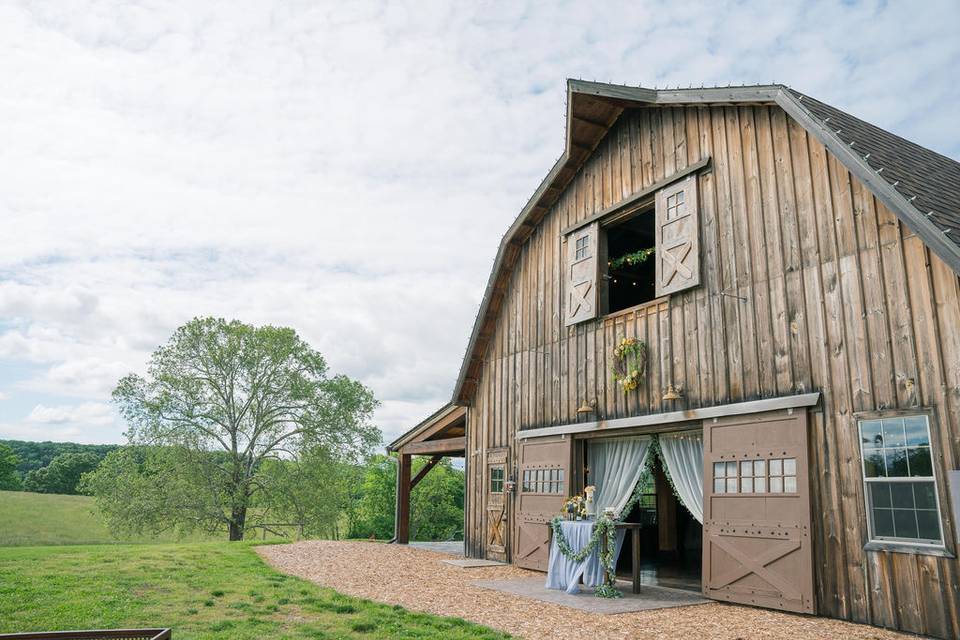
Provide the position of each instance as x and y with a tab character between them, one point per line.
837	296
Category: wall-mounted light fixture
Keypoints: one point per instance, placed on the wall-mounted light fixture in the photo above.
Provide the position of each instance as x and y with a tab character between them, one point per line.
586	407
672	393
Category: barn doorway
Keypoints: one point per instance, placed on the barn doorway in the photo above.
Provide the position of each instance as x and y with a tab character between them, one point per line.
671	539
659	501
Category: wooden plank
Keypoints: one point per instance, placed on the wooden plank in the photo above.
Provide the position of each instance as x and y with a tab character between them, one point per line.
759	213
874	301
826	306
852	384
717	336
446	445
728	260
777	188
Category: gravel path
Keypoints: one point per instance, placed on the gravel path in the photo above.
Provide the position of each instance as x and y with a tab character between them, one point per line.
417	579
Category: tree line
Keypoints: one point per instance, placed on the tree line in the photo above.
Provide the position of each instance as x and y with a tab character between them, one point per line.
239	430
47	467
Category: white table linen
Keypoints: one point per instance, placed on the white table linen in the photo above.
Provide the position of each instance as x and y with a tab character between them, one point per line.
563	573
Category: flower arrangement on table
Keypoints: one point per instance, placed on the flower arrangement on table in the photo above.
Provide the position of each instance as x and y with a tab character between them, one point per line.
629	363
574	508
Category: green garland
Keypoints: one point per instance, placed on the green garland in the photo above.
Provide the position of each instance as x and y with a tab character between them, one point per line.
631	259
655	449
604	526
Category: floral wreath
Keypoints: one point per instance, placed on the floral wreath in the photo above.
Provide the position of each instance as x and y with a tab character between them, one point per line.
626	374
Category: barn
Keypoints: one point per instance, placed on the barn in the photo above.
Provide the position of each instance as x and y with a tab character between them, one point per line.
754	296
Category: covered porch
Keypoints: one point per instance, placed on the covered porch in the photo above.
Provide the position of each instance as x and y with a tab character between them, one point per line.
442	435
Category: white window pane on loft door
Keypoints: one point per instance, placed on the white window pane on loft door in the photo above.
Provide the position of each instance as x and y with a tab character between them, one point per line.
790	484
746	468
776	484
759	468
731	469
719	486
731	485
790	466
718	468
746	485
776	467
760	485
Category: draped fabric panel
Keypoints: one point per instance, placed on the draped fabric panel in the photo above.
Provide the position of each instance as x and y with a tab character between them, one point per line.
682	454
615	467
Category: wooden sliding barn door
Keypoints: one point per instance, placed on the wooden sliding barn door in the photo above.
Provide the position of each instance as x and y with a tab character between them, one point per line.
756	523
543	479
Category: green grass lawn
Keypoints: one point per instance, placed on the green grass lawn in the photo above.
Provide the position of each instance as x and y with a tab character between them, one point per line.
204	591
37	519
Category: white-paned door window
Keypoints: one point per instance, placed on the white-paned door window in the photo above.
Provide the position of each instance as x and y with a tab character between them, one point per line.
899	481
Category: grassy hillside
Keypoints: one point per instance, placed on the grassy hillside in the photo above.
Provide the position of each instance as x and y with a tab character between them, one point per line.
204	591
37	519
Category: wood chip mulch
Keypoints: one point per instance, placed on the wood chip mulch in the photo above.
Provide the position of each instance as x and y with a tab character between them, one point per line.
418	580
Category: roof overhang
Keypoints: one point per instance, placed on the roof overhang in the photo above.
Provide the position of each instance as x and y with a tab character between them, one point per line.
440	434
592	109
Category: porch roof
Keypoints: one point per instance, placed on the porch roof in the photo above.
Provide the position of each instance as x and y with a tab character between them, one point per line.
442	433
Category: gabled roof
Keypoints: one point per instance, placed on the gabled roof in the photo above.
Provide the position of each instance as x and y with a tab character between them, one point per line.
448	415
919	186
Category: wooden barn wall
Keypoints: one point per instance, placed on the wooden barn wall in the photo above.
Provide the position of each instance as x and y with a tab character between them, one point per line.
809	283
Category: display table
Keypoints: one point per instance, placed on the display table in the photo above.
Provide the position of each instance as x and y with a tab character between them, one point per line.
565	574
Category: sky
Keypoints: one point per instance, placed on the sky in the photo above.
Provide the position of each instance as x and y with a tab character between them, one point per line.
345	168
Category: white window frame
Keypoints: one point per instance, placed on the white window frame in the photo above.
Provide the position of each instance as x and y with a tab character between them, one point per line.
904	542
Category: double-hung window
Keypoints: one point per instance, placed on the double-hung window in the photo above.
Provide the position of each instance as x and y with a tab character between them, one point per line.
899	481
496	478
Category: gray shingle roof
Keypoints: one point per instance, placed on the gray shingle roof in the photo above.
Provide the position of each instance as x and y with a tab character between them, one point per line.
912	170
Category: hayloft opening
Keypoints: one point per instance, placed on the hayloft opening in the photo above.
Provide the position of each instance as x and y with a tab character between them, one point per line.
630	277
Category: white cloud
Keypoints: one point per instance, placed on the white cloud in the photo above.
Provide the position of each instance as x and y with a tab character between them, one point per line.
84	414
3	396
349	168
87	422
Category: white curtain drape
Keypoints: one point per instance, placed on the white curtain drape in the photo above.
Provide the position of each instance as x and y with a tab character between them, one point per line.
615	466
682	453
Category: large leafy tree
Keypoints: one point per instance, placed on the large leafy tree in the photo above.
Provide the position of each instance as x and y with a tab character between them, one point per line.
221	405
9	478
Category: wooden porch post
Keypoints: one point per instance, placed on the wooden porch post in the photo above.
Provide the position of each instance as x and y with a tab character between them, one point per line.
402	525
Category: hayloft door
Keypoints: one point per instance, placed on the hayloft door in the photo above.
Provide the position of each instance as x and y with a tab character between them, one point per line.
497	526
542	485
756	523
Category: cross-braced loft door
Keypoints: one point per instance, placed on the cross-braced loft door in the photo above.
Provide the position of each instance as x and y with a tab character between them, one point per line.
543	479
756	529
